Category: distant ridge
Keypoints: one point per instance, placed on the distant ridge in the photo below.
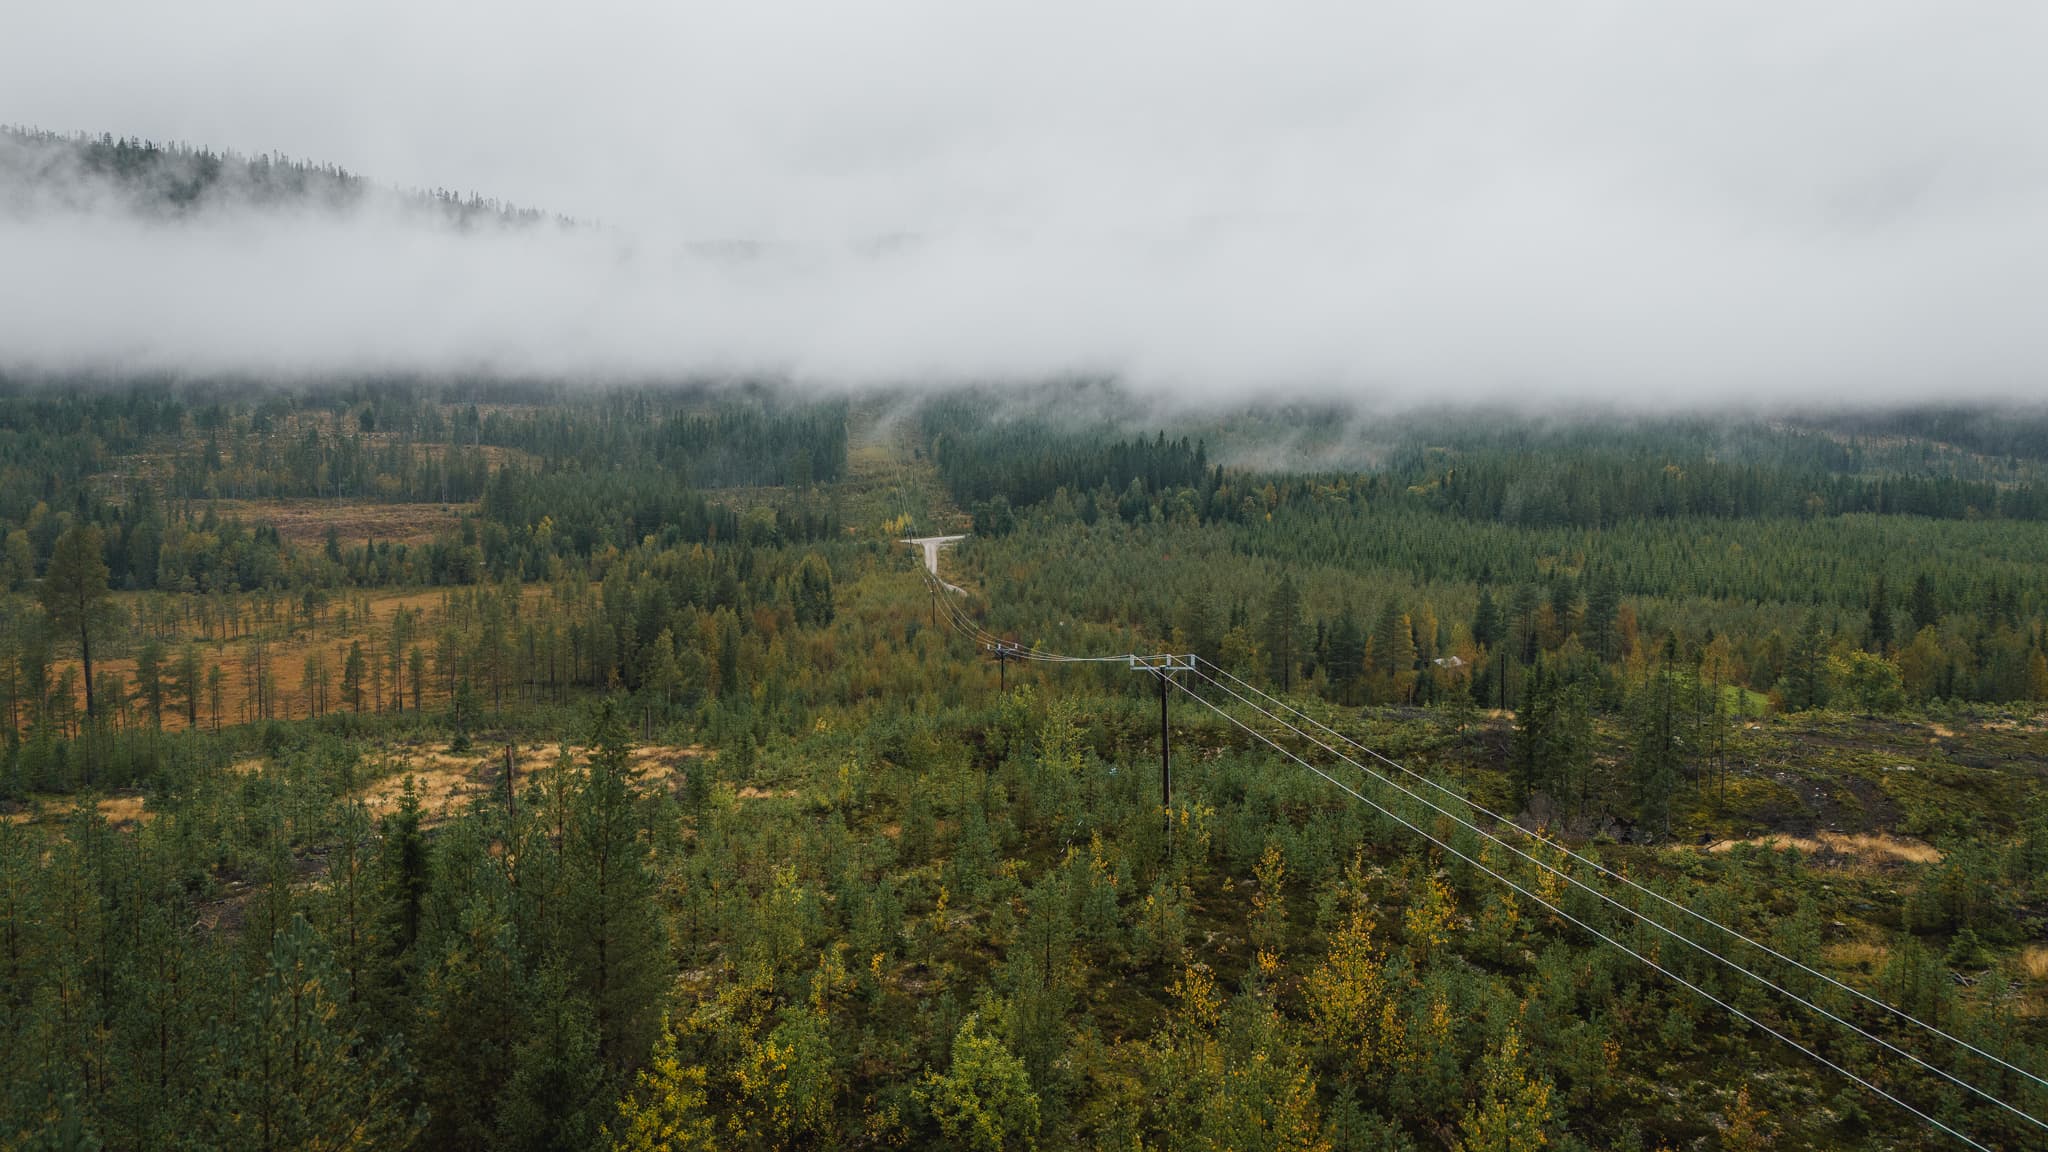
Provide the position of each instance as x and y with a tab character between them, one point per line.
45	171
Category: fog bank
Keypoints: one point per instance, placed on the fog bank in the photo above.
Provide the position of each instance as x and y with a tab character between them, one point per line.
1587	202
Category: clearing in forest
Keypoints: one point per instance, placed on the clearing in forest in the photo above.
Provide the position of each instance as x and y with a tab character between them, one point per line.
307	522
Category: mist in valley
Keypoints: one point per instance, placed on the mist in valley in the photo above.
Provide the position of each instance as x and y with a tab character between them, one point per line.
1384	205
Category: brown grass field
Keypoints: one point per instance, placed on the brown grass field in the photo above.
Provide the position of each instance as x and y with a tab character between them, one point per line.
306	522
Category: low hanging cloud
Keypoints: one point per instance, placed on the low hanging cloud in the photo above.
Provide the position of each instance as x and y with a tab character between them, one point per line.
1614	202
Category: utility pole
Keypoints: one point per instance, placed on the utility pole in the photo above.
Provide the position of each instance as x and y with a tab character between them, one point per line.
1163	666
1165	764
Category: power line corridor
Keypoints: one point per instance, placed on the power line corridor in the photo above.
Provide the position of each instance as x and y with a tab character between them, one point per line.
1825	1001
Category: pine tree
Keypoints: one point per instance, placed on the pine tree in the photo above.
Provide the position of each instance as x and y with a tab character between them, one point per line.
556	1097
416	672
352	676
74	594
469	1023
149	681
187	684
1388	641
462	716
1393	644
294	1075
216	693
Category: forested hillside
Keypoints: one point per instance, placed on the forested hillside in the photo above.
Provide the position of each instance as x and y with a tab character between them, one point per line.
428	764
41	170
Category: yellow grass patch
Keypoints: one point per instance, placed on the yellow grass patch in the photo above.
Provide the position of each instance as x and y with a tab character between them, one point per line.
2034	962
752	793
446	782
1855	955
442	791
120	811
1876	847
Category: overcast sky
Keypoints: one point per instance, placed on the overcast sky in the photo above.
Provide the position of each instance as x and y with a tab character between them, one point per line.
1644	201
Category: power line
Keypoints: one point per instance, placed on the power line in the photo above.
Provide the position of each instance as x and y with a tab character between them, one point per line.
1011	650
1651	892
960	621
1652	964
1661	927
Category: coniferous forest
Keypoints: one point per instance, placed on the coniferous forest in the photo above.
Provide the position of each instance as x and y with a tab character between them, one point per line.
415	763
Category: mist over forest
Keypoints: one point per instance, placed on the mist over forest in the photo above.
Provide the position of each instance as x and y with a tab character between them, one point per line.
133	256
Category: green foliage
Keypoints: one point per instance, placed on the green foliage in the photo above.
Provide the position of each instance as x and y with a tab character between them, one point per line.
611	924
1553	744
983	1101
1655	760
1280	635
1512	1113
293	1074
666	1111
74	594
776	866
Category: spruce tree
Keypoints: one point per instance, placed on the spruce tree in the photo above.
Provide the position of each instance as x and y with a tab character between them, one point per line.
1393	644
1532	721
1346	656
1198	626
1603	604
1654	729
1486	623
1920	605
1281	635
402	885
1878	636
1805	667
613	923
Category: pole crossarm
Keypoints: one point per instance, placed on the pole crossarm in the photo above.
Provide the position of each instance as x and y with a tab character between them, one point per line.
1163	662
